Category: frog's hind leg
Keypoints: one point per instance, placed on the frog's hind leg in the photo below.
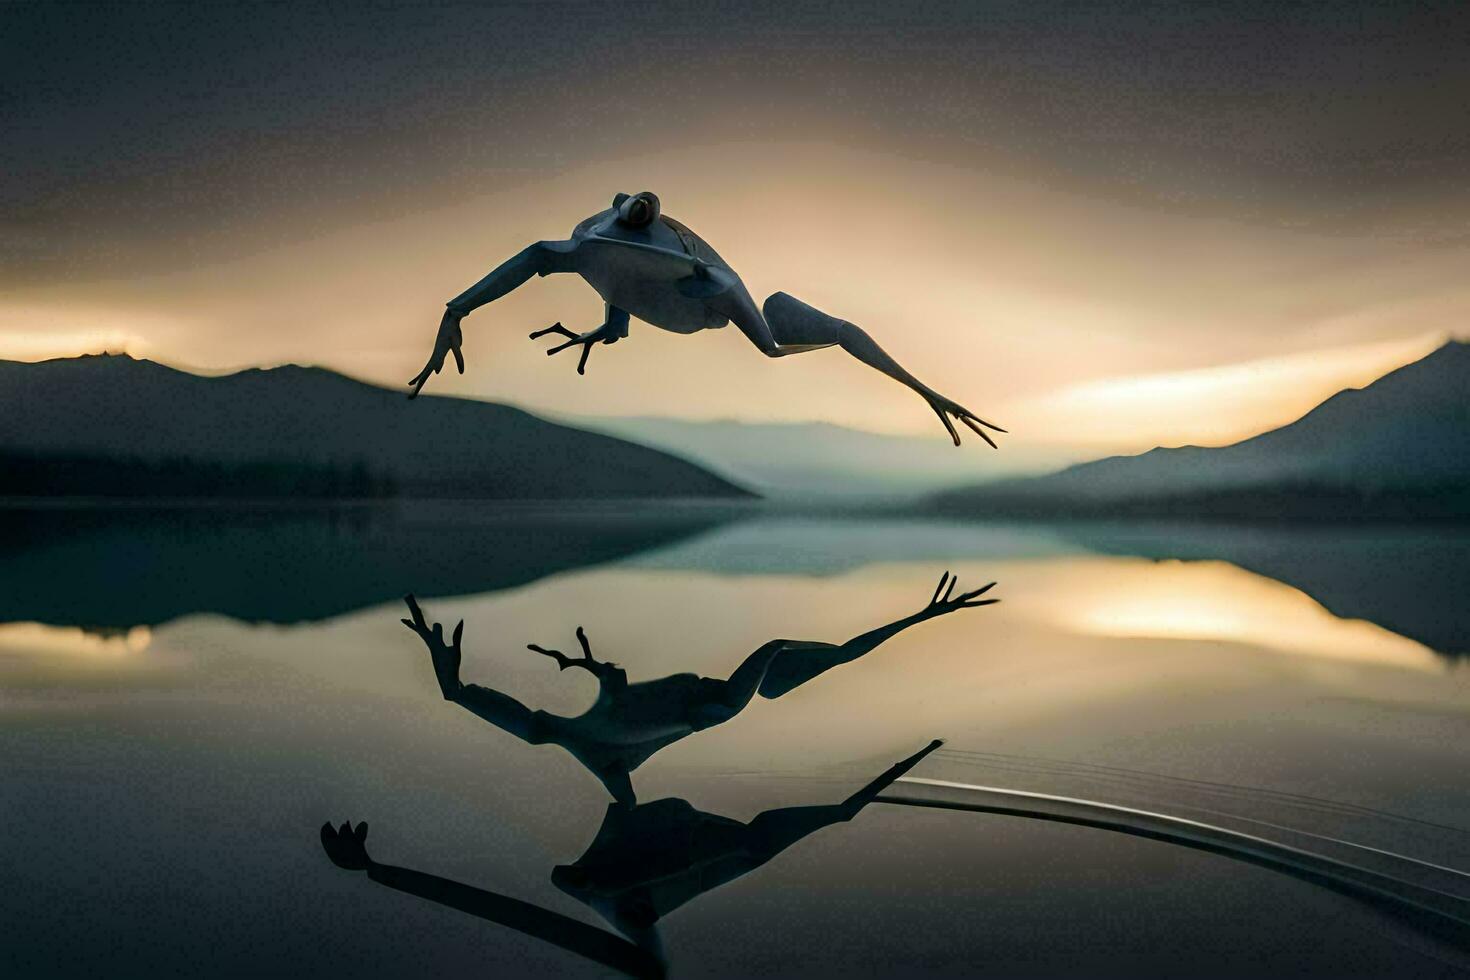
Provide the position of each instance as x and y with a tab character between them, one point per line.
785	325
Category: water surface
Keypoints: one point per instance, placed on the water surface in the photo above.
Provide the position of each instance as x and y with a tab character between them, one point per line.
186	698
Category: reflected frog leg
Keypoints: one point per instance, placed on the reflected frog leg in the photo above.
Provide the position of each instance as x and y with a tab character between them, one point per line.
723	700
603	740
347	849
804	659
611	764
775	830
500	710
509	715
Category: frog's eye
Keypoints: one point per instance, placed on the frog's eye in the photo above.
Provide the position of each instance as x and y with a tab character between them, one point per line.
639	210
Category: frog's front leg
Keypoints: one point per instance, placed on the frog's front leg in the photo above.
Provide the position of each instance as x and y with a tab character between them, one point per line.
614	328
539	259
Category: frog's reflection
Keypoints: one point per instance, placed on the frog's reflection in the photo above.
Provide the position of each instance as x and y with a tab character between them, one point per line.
628	723
644	862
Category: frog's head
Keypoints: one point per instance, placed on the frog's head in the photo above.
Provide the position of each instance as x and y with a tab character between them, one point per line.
637	210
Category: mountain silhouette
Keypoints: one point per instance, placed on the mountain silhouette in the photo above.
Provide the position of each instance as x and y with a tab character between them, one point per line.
111	425
1397	448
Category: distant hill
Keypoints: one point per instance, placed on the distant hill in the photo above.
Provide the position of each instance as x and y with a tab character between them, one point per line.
1398	449
818	459
112	426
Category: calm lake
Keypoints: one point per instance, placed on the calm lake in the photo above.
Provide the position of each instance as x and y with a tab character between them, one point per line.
186	696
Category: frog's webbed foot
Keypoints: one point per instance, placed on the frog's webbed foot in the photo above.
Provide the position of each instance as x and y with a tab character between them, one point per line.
446	656
944	408
601	669
945	601
347	845
615	328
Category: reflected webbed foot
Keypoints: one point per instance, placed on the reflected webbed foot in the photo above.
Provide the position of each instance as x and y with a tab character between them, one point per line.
347	845
446	656
945	601
586	661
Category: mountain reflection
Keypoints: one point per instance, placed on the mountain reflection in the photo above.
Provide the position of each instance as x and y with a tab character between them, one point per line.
1215	601
628	723
119	567
115	568
644	862
1407	580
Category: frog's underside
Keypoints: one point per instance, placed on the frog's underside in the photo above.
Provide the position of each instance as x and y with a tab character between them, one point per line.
645	264
633	269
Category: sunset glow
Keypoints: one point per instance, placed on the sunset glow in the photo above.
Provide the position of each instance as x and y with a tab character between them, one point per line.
1218	601
71	643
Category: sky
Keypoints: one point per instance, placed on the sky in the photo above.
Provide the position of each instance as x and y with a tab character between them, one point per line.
1104	226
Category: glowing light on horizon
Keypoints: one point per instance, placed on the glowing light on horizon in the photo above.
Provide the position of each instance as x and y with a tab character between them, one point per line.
1211	406
1216	601
39	332
40	640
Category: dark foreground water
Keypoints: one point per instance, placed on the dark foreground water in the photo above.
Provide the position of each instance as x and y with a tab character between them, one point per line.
1250	762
